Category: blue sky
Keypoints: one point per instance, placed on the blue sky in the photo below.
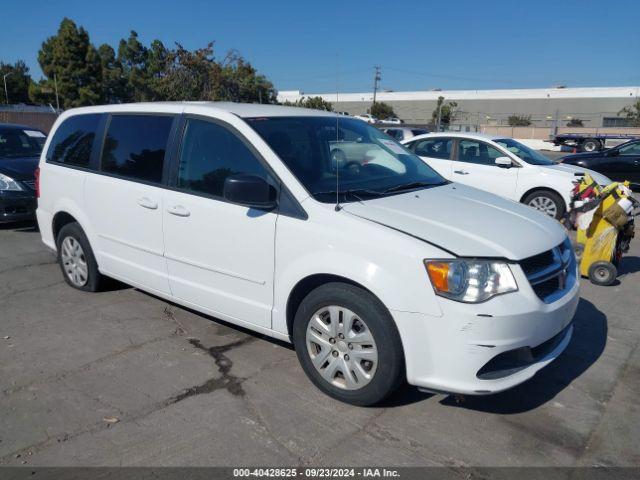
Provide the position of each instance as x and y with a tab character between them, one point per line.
419	44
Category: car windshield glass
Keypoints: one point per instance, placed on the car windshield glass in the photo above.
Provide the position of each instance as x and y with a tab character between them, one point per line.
366	162
16	142
523	152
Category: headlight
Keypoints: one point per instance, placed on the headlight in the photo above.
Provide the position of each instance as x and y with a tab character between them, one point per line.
470	281
8	184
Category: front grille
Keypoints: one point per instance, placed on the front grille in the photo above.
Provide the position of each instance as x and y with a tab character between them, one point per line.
537	262
30	183
551	273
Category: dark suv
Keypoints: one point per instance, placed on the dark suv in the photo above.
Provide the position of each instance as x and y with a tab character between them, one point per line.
20	148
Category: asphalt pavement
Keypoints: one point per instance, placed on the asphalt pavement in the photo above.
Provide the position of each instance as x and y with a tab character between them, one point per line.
123	378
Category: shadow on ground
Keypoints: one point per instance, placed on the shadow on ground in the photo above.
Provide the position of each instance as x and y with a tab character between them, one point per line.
629	265
586	346
27	227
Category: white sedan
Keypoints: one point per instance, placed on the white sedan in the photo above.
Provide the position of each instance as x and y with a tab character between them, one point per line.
367	117
502	166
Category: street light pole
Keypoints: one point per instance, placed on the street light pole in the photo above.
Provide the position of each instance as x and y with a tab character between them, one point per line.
6	92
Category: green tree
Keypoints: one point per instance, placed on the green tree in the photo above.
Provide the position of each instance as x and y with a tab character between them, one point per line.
519	120
382	110
133	55
632	114
447	111
196	75
114	84
18	80
575	122
235	79
75	63
315	103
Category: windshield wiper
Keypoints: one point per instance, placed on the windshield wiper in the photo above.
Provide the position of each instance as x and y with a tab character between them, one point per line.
353	192
411	186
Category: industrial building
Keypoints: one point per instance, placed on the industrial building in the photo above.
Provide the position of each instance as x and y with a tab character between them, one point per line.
595	107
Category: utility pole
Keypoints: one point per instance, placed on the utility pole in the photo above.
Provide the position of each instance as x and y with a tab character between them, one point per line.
376	78
6	92
55	82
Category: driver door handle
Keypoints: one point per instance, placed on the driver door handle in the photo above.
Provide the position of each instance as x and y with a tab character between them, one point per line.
461	172
146	202
179	211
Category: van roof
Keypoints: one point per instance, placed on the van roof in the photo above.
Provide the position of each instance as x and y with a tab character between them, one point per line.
244	110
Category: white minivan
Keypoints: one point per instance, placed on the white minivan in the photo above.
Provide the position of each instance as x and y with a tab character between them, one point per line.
377	271
502	166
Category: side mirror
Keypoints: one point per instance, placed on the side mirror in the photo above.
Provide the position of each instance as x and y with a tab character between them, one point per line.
504	162
612	152
249	190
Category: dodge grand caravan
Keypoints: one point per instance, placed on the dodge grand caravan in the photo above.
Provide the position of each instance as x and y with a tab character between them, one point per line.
376	268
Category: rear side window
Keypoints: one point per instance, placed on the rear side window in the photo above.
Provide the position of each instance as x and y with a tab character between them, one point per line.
71	144
135	146
433	147
209	154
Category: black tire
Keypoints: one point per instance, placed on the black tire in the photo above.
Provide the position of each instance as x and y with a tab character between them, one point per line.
389	373
560	207
603	273
94	278
590	145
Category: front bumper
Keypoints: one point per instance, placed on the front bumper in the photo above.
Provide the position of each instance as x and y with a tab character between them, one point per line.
488	347
17	206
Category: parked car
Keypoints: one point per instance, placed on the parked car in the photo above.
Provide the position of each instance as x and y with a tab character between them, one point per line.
393	120
20	148
375	273
404	133
502	166
618	163
367	117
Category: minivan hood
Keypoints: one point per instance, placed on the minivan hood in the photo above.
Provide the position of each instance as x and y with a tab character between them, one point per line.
465	221
22	168
573	169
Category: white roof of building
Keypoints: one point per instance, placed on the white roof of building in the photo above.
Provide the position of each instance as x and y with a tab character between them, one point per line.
587	92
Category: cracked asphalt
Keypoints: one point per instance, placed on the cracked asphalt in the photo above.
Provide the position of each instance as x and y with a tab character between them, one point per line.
124	378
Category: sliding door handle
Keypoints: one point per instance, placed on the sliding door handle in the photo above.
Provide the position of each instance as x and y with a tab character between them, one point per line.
146	202
179	211
461	172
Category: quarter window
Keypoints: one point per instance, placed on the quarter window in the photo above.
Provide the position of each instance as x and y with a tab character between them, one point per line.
434	148
135	146
209	154
72	142
472	151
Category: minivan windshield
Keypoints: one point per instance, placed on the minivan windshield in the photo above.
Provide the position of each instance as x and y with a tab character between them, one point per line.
345	158
527	154
16	142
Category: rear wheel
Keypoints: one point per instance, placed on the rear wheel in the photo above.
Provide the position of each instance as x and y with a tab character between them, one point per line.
603	273
590	145
547	202
348	345
76	259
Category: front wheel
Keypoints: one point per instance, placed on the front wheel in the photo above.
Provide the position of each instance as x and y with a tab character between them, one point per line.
348	345
547	202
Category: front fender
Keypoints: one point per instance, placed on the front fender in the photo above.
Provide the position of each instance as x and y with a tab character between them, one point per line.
391	267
